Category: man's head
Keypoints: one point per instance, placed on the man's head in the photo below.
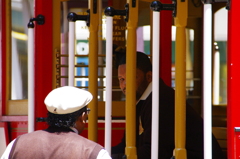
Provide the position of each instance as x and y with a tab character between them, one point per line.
67	107
143	74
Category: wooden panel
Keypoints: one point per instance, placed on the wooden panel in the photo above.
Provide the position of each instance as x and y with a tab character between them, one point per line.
219	116
220	132
17	107
219	123
118	109
20	107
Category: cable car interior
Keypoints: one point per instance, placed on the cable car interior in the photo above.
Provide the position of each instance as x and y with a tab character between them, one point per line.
51	50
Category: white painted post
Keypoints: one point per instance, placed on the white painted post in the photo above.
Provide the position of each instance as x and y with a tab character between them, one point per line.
31	79
207	81
108	104
155	84
71	53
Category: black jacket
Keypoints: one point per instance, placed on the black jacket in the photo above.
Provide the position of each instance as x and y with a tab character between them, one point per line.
194	129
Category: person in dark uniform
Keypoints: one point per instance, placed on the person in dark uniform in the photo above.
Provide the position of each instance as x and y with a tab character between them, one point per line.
67	115
194	123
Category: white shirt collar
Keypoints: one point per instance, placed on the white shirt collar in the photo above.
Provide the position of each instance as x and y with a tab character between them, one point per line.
74	129
146	92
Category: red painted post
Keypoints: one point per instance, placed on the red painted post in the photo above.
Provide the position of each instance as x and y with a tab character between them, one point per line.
233	64
166	44
3	50
43	59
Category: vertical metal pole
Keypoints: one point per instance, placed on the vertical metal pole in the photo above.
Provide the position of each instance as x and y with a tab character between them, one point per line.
43	48
155	83
93	70
59	41
180	92
216	76
31	80
71	53
130	149
207	81
108	104
100	44
64	43
165	40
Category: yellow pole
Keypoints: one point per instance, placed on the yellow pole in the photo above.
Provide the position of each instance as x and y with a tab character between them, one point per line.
56	25
93	70
180	90
130	149
8	26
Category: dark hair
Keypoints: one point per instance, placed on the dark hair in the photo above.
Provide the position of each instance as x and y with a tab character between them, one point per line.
64	120
143	61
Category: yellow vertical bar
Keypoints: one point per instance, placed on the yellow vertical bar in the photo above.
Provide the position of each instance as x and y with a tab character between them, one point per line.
56	25
130	149
8	50
180	89
93	70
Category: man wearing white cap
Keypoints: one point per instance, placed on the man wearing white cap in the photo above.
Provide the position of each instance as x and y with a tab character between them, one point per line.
67	115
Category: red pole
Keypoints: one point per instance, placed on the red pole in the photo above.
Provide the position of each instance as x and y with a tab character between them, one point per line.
166	44
3	50
233	64
110	3
43	59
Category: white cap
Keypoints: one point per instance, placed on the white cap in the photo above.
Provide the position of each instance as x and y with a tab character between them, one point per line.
67	99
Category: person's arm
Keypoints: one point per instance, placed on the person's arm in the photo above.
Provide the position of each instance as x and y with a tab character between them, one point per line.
8	150
103	154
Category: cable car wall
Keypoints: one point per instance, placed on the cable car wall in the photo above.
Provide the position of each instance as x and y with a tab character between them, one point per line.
233	120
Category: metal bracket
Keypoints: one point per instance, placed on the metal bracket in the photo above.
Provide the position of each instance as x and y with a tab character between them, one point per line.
158	6
237	129
134	3
218	1
40	19
110	11
73	17
95	6
41	119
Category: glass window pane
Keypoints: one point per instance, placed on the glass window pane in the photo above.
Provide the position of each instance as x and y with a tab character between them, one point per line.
21	11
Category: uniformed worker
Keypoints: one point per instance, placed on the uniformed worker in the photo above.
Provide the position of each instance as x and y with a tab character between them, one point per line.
67	115
166	140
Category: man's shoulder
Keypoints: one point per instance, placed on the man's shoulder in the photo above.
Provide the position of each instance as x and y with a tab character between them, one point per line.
37	132
78	138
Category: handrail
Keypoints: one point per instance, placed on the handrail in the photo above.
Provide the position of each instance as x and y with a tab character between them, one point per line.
31	107
130	149
155	82
93	69
71	53
180	91
207	80
31	113
108	106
